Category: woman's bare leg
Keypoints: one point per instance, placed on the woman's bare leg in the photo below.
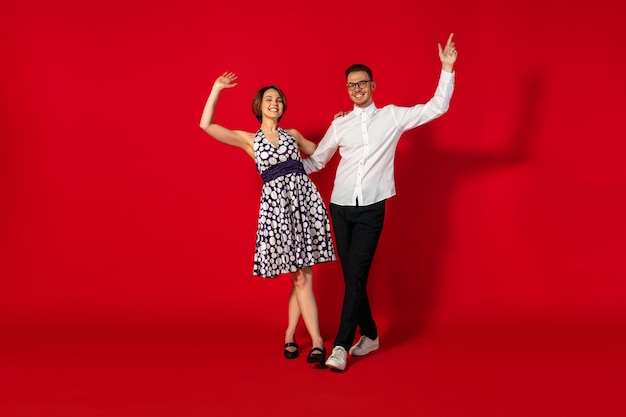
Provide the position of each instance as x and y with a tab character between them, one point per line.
293	318
303	286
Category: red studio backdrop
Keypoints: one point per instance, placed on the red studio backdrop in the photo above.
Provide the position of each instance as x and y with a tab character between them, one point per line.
116	206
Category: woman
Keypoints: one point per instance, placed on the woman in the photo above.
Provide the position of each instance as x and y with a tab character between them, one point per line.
293	230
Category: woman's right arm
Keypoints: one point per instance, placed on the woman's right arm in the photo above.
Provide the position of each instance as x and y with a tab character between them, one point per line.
237	138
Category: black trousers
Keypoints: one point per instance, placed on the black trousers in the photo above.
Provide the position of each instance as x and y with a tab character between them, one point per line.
357	231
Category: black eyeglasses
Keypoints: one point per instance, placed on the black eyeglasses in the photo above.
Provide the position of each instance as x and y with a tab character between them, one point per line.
360	84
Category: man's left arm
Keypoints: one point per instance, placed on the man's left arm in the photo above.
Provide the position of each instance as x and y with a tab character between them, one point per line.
408	118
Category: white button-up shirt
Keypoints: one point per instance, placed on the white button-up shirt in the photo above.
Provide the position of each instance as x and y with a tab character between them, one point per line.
367	140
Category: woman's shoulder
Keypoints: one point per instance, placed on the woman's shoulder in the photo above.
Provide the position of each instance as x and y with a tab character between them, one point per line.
291	131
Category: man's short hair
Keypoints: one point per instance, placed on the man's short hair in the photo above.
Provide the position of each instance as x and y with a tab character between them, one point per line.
360	67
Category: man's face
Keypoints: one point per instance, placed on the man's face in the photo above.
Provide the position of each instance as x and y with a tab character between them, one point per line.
360	88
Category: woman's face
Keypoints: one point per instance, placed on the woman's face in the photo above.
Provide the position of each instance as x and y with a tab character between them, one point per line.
272	105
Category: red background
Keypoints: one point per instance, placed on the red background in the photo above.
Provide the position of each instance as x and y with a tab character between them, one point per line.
116	207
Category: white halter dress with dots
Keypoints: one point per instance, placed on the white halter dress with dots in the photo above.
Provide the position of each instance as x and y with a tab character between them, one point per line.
293	230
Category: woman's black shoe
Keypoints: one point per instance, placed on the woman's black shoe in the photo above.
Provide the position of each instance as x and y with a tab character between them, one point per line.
317	355
291	354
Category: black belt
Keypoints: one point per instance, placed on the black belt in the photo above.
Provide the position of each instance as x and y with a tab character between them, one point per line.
290	166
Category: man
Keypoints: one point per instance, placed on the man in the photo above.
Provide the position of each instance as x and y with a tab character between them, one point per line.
366	138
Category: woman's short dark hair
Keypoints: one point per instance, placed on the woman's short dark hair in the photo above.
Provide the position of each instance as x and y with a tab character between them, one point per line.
360	67
258	97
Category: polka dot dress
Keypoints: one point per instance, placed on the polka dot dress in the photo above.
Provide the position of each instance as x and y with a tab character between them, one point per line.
293	230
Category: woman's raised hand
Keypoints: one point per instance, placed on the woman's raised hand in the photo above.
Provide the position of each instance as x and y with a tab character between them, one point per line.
226	80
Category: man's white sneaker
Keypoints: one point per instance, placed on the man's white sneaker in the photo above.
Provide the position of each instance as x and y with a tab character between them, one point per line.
337	358
364	346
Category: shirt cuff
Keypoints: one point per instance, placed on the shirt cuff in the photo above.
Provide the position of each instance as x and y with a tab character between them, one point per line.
446	74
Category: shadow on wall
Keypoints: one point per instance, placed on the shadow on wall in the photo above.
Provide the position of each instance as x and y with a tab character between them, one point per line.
407	272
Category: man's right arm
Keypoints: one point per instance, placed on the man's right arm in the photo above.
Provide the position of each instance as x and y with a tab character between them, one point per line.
326	148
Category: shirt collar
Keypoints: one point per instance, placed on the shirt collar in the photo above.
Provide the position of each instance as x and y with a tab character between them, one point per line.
369	110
